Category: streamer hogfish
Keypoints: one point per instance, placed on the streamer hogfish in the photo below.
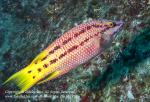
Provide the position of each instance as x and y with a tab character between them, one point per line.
72	49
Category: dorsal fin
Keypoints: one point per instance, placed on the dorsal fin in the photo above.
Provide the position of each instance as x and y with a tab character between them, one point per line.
40	57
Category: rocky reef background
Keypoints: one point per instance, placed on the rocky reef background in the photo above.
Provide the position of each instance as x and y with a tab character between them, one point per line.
120	74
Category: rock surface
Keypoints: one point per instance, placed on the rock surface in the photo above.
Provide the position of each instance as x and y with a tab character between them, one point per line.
28	26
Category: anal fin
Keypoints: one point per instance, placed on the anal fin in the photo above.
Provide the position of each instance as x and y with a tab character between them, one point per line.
55	74
50	77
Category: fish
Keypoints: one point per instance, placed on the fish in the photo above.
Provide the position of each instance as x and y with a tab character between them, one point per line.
75	47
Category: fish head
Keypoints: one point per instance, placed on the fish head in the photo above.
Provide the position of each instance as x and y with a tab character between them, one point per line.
111	29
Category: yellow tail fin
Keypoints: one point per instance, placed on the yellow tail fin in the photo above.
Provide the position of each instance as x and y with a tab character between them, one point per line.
28	76
23	79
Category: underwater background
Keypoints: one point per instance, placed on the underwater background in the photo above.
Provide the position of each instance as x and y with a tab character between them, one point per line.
120	74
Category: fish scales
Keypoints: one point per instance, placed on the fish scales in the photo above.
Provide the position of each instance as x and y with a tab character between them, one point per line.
84	35
72	49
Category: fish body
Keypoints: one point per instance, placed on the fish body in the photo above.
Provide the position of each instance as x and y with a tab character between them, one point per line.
75	47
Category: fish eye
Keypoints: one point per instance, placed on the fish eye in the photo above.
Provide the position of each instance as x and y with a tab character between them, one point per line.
110	24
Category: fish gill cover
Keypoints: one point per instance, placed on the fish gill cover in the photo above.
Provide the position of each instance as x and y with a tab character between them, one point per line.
121	73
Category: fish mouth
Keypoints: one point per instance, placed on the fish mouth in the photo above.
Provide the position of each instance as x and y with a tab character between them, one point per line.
114	30
119	24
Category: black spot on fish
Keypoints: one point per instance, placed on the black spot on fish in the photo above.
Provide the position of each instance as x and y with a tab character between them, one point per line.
82	43
66	41
44	58
45	65
56	47
29	71
82	31
96	34
39	70
86	39
62	55
76	34
51	52
88	27
96	26
72	48
33	77
53	61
